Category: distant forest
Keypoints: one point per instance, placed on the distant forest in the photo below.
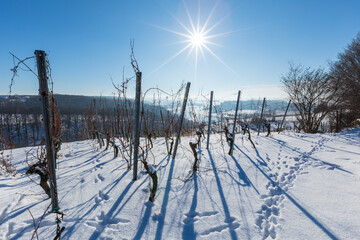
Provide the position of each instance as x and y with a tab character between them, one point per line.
67	104
21	116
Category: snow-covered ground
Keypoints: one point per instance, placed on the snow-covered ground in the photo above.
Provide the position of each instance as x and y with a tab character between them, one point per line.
293	186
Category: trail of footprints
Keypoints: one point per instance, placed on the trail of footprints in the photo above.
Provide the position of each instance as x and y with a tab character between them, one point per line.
269	214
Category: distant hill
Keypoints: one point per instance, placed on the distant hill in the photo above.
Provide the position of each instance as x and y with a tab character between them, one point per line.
68	104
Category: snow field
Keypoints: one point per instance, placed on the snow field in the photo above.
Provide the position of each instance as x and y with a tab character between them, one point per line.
292	186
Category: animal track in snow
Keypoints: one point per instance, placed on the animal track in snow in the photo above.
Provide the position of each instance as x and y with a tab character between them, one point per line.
195	216
268	214
103	221
229	223
10	228
99	178
101	196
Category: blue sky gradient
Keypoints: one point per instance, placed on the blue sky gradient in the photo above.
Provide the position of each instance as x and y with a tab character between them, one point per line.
88	41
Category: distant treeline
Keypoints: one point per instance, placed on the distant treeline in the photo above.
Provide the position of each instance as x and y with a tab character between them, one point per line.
67	104
21	117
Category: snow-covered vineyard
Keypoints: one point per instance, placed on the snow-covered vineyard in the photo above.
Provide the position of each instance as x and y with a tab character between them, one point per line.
291	186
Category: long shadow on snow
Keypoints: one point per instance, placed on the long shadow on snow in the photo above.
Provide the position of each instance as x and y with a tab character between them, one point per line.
82	164
79	154
26	229
149	205
309	215
96	234
164	204
260	160
111	214
69	230
307	156
63	196
144	220
223	200
188	229
243	176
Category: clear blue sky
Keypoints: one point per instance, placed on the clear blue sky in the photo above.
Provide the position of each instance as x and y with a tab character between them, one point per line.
88	41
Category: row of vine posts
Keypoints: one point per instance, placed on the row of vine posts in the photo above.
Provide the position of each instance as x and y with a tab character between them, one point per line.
94	130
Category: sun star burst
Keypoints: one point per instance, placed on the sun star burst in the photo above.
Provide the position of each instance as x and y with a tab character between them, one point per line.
197	37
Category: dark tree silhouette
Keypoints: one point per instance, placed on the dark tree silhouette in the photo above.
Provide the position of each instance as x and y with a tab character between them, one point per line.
313	93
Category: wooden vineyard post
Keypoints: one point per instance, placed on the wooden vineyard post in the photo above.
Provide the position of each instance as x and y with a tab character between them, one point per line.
44	93
261	115
209	123
114	132
137	124
282	122
181	119
233	131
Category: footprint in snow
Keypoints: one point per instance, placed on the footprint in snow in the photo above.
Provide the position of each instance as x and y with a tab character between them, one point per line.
99	178
195	216
101	196
231	225
11	226
103	221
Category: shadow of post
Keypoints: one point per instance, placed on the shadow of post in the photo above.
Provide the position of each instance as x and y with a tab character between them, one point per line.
13	215
144	221
189	230
164	204
110	214
223	200
69	230
262	162
243	176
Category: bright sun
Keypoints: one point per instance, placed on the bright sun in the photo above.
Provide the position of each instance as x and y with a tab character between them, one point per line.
197	39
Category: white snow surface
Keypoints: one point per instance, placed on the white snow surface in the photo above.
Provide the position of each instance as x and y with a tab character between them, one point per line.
292	186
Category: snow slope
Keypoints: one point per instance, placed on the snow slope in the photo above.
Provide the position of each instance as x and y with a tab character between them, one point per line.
293	186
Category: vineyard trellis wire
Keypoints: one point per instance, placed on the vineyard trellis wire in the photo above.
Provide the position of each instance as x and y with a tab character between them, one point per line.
115	124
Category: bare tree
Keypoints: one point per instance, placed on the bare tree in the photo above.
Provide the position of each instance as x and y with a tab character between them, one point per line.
123	121
313	93
346	70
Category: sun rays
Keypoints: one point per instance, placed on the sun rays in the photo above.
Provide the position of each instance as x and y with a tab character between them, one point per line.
197	37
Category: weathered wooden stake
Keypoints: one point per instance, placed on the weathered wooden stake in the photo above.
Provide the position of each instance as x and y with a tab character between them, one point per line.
181	119
166	137
233	131
137	123
282	122
262	111
44	93
209	124
114	131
